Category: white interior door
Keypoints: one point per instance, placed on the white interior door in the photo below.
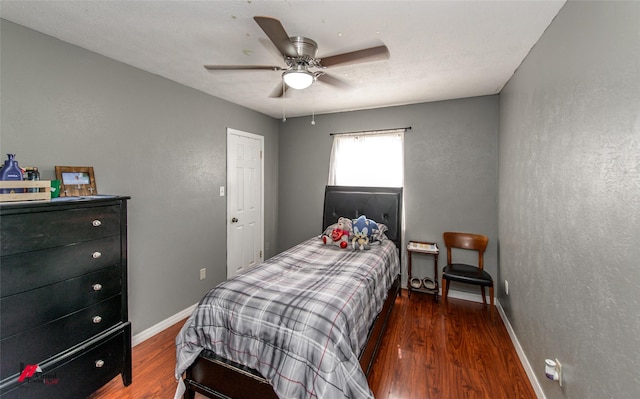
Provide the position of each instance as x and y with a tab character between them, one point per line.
244	200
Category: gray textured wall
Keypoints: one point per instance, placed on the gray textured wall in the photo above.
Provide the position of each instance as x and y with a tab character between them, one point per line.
160	142
570	200
451	171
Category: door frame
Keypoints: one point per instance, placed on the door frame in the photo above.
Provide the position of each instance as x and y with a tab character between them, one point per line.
228	216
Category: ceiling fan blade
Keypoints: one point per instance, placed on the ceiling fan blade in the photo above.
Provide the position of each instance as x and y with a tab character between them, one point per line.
278	91
365	55
333	81
240	67
276	33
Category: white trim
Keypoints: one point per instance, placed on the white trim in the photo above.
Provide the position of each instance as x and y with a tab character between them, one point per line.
163	325
467	296
523	357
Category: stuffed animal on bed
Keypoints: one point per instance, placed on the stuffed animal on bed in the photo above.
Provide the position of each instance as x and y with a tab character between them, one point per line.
363	230
340	234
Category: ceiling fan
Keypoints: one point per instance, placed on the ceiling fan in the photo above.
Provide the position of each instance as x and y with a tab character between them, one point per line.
299	54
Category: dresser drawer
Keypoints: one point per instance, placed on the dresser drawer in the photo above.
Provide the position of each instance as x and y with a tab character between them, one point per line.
38	230
32	308
26	271
78	375
38	344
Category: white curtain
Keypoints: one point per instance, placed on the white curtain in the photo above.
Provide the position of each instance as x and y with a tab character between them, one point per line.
368	159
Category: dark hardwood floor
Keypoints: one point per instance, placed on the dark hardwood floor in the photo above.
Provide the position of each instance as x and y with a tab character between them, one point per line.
447	351
430	351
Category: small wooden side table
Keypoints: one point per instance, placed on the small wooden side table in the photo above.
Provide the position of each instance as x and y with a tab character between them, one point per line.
428	248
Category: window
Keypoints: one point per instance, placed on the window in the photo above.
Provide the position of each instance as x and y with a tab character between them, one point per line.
368	159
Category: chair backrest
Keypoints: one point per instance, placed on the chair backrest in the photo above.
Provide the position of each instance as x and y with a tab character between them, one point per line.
475	242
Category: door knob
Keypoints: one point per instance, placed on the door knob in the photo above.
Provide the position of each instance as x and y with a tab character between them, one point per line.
234	220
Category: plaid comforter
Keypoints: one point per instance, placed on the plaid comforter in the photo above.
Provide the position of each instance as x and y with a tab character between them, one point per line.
301	318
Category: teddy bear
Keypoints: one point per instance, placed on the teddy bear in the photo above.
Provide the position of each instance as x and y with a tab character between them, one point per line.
363	230
340	234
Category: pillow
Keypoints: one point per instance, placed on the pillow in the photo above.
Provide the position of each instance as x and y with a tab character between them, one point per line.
379	234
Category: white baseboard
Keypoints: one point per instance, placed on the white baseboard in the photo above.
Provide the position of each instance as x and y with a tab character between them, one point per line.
163	325
523	358
467	296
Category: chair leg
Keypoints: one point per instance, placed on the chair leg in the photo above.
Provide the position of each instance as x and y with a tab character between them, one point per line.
445	288
484	299
491	299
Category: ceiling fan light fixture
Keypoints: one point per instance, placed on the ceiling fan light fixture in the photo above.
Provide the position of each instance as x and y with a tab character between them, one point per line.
298	78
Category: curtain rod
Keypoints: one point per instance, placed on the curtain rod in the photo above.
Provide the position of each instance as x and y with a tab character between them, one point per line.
373	131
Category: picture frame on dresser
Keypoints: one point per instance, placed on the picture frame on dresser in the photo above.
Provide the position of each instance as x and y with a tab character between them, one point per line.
76	181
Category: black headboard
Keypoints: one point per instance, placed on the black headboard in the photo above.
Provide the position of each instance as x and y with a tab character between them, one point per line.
381	204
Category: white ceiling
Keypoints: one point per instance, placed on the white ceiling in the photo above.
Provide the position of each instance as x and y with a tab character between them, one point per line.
439	50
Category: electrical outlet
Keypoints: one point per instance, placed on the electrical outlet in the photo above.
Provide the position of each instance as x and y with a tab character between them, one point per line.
559	371
203	273
553	370
506	287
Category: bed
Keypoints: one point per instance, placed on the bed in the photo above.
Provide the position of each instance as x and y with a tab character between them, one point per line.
306	323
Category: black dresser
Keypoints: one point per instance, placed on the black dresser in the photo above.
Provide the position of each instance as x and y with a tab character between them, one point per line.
64	328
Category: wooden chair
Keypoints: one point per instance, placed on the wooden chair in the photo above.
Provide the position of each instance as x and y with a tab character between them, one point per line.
464	273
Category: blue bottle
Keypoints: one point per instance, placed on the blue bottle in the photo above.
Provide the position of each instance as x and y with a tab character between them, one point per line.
11	171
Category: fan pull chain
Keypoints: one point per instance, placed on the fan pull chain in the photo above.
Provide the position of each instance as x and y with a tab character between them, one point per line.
313	109
284	91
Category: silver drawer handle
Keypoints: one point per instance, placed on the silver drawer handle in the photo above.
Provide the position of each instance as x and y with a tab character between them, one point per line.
97	319
99	363
96	255
97	287
96	223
